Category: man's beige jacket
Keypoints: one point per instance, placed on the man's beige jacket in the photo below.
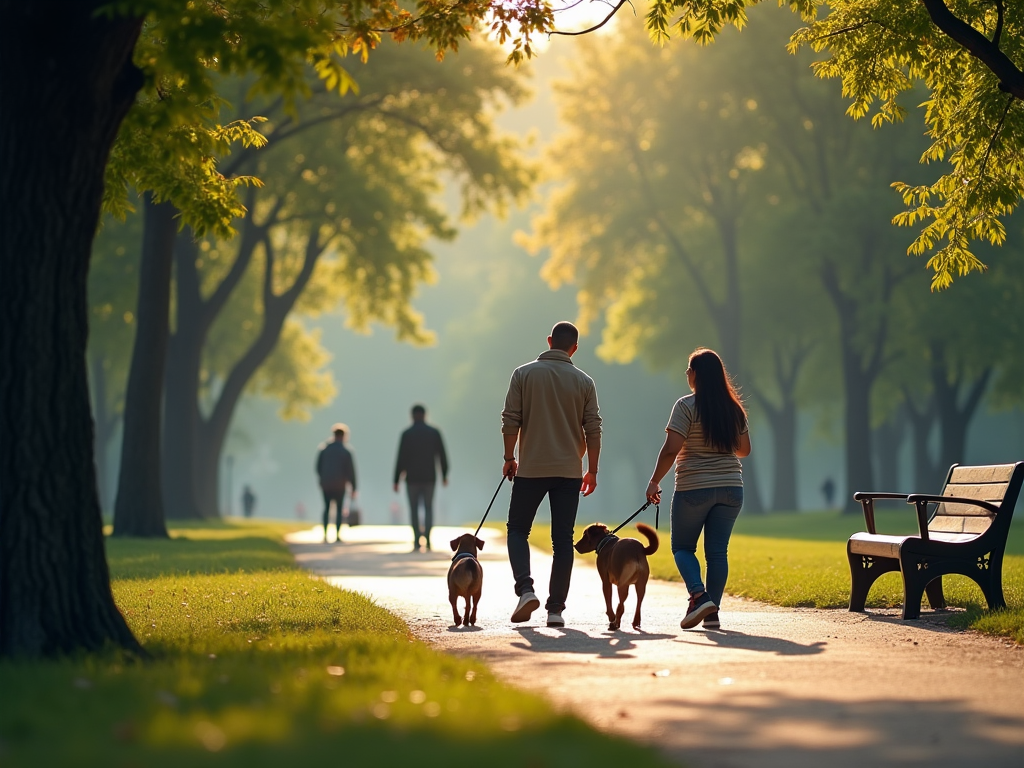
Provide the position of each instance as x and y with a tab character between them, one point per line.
552	405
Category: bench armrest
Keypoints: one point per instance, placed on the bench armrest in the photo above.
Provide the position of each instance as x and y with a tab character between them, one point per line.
929	498
867	503
922	500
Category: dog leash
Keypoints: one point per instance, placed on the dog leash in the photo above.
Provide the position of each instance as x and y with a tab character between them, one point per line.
657	514
477	531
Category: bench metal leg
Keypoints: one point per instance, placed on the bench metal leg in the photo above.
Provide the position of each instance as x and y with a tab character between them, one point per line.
935	597
864	571
990	579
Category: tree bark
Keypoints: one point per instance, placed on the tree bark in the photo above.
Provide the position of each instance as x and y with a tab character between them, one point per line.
139	509
181	403
859	374
889	438
66	83
954	416
922	421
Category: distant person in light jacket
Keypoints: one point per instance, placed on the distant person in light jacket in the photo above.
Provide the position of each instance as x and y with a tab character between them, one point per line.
420	450
336	469
551	411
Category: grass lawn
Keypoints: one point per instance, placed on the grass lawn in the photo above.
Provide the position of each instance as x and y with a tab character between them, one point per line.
800	560
254	663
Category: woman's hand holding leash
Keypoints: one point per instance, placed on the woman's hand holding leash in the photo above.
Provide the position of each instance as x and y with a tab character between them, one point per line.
510	468
653	493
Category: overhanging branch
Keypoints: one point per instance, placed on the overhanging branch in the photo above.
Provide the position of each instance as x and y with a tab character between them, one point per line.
1011	78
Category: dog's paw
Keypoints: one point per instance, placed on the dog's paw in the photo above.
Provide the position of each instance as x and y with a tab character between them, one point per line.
613	626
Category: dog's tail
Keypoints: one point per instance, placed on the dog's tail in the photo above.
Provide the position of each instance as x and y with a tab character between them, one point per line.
652	538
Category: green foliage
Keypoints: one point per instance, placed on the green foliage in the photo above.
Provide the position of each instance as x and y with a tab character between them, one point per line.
881	50
255	663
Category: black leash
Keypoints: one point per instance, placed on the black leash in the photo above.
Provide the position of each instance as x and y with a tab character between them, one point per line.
477	531
657	514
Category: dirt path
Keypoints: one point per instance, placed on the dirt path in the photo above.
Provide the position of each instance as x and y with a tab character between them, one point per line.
777	687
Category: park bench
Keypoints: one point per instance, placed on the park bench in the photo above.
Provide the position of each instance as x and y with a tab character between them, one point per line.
962	530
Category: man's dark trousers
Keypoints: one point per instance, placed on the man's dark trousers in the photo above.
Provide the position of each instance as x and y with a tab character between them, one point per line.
421	492
337	495
564	498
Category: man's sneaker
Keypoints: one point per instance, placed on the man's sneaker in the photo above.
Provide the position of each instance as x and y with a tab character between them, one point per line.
711	621
699	607
555	619
528	603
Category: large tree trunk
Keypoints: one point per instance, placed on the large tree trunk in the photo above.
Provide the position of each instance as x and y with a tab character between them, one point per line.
66	83
182	418
139	509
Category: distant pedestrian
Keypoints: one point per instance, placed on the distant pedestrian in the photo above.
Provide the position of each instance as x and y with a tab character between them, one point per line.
420	450
705	438
336	469
300	510
551	410
828	490
248	501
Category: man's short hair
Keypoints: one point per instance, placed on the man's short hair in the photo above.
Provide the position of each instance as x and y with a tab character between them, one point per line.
339	427
564	335
418	411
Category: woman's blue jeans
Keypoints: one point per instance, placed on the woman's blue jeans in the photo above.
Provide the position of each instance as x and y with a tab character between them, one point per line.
713	511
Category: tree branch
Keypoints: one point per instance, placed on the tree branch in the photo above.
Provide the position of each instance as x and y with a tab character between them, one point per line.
1011	79
593	28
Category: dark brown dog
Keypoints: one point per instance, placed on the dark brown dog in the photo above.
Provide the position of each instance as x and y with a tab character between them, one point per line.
465	577
621	562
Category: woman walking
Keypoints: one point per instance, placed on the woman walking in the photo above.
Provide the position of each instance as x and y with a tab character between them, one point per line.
706	436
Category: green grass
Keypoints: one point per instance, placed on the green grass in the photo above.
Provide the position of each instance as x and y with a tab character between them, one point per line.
800	560
254	663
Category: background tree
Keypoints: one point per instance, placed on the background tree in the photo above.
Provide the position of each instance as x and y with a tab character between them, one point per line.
113	285
969	57
342	219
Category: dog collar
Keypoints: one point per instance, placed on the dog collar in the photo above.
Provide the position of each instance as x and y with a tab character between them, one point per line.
463	556
605	542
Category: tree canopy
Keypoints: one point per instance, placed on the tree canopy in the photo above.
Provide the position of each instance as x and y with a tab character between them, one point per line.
968	56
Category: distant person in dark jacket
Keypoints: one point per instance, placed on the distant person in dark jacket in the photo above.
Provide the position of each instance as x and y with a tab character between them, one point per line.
337	471
419	451
248	501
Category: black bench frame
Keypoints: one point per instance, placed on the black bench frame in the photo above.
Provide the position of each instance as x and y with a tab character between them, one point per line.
923	561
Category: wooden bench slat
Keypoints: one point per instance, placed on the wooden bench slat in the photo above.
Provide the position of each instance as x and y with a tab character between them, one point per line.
982	491
992	473
959	524
968	510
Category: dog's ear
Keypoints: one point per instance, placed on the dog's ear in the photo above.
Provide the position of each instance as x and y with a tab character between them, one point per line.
455	543
479	544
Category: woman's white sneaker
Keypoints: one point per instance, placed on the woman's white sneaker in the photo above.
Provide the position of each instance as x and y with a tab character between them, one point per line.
528	603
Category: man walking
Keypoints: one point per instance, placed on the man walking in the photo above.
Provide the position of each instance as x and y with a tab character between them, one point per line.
419	451
551	411
336	470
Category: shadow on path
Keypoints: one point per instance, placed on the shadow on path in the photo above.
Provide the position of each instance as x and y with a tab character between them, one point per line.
772	729
610	645
741	641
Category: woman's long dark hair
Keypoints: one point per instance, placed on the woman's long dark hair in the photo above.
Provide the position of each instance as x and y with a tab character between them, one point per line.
719	409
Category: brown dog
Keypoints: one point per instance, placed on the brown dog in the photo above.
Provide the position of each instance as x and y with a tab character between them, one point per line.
621	562
465	577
